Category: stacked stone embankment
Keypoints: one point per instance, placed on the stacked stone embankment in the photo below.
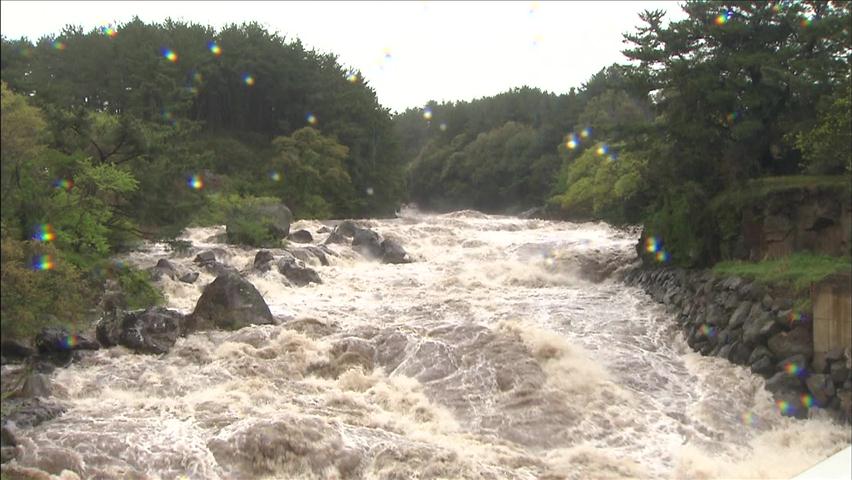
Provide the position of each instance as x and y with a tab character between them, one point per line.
741	321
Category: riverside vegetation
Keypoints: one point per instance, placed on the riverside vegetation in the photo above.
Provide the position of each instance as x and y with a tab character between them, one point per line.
139	130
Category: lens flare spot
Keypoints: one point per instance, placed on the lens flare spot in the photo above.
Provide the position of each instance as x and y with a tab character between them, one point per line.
663	256
42	262
70	341
749	419
442	127
533	7
708	331
195	182
275	176
352	77
806	22
427	113
370	191
795	369
214	48
311	119
586	133
723	17
785	407
169	54
59	45
168	116
732	117
653	244
387	54
602	150
807	400
108	30
64	183
44	233
248	79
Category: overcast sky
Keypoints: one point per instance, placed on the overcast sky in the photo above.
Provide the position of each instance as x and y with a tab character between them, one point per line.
410	52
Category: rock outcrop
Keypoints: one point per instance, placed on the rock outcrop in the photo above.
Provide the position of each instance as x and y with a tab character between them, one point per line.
154	330
230	302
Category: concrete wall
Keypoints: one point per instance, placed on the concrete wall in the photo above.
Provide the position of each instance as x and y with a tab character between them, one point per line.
832	307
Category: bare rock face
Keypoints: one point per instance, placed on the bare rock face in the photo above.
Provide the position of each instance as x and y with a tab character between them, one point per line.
799	340
301	236
297	273
229	303
154	330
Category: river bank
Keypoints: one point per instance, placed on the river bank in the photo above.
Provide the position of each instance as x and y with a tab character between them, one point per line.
745	323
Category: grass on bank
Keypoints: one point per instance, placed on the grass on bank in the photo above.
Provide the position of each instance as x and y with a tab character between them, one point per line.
758	189
798	270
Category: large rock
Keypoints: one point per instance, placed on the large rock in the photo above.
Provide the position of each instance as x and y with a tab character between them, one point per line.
164	268
297	273
367	242
821	387
392	252
58	340
301	236
13	351
189	277
782	381
230	302
799	340
759	327
154	330
739	316
347	228
263	260
207	257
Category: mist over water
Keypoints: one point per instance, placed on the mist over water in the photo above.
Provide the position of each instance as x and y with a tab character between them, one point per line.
500	353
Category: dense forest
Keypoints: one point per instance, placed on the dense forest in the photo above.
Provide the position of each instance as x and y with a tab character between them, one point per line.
734	92
138	130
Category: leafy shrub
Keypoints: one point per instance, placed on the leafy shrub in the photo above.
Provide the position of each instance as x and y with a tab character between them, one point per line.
33	299
253	232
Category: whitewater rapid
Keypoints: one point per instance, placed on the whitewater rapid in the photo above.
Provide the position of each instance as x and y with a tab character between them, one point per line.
493	355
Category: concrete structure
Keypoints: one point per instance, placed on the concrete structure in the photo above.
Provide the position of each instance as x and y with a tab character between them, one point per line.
832	308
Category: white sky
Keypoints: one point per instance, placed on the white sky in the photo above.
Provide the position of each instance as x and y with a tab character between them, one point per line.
438	50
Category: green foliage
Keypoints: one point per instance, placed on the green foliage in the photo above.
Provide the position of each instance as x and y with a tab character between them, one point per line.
219	208
137	288
493	154
252	232
34	299
313	179
684	224
827	148
798	271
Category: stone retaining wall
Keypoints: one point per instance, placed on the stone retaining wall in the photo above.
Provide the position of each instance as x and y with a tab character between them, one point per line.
742	322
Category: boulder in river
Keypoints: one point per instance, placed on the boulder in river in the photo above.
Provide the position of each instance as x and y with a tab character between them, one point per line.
13	351
301	236
164	268
53	340
189	277
230	302
297	273
392	252
367	242
206	257
154	330
262	260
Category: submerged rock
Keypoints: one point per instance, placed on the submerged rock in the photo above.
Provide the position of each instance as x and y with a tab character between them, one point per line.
262	260
392	252
53	340
367	242
154	330
230	302
301	236
189	277
296	273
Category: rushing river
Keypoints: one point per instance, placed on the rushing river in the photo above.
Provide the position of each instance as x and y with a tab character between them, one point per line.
491	356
